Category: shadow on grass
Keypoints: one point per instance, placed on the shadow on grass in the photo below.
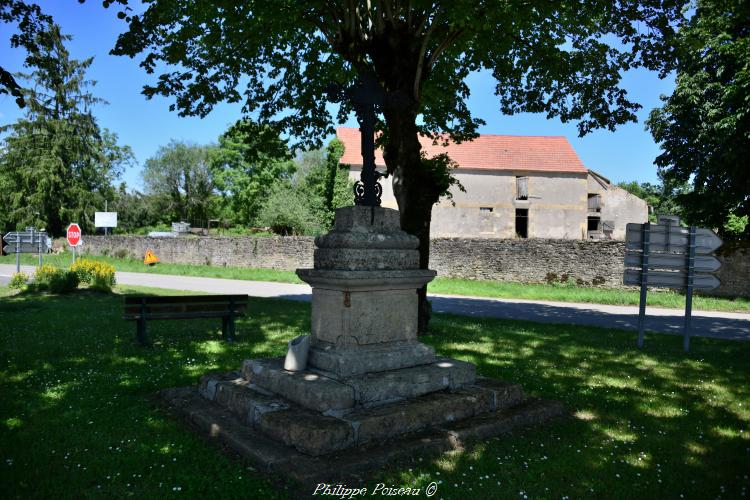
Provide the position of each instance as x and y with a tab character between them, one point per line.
75	389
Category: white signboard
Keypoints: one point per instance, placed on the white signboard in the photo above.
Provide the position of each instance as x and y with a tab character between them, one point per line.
105	219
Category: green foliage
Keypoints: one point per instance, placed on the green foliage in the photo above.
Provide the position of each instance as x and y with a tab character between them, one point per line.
137	210
56	164
31	20
99	275
18	281
55	280
704	127
324	183
287	212
249	160
735	226
181	173
663	198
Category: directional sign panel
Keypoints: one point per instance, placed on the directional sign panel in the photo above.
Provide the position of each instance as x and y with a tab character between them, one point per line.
25	248
671	239
671	280
703	263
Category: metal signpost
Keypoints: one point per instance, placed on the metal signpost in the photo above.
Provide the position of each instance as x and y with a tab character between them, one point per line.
668	255
28	241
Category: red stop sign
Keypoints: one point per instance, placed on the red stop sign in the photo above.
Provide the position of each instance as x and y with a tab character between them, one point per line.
74	235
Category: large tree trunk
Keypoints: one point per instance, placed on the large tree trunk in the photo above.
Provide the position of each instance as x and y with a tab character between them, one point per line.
414	188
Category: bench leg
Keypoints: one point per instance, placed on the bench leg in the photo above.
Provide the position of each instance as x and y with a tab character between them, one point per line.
231	329
225	327
141	332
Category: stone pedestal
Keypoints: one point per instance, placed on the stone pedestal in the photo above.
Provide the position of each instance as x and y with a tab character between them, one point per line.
368	378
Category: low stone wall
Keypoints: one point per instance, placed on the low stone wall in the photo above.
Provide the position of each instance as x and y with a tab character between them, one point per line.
527	261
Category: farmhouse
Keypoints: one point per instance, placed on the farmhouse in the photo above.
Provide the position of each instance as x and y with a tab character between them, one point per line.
517	187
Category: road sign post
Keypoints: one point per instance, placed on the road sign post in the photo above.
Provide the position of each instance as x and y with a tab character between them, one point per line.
73	236
28	241
667	255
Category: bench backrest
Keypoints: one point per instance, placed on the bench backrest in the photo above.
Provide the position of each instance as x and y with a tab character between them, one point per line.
185	304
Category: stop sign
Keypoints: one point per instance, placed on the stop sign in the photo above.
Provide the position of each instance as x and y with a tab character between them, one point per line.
74	235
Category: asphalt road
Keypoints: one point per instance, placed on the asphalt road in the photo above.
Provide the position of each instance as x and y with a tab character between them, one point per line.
705	323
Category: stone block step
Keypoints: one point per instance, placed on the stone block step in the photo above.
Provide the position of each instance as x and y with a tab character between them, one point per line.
325	394
317	434
269	457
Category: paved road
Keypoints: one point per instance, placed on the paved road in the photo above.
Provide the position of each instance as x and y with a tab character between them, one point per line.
705	323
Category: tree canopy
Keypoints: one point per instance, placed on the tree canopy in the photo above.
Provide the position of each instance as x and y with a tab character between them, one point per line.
248	161
704	126
56	164
181	172
564	59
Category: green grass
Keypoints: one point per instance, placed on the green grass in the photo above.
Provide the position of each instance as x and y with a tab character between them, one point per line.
448	286
77	417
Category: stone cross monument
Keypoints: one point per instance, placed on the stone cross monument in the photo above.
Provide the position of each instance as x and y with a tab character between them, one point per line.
368	378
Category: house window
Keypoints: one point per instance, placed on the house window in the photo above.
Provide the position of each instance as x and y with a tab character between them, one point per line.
595	202
485	210
522	187
522	222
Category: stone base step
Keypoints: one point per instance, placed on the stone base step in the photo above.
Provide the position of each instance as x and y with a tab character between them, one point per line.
317	391
317	434
266	454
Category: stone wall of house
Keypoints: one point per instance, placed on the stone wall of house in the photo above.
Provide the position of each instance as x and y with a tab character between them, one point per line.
528	261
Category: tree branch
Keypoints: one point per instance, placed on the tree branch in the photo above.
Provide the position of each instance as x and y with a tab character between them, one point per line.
420	62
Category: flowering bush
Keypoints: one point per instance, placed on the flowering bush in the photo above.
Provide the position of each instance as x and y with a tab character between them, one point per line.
99	275
18	281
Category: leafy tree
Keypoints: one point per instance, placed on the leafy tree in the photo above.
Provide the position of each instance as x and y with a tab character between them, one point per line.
287	211
550	57
181	173
704	126
250	159
325	182
31	21
135	210
56	164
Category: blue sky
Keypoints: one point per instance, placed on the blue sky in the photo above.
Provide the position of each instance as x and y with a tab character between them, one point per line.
624	155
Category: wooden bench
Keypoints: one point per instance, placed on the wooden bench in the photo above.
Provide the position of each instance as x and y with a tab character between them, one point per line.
144	308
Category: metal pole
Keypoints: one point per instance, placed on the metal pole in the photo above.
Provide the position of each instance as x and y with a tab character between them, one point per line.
39	248
646	244
18	253
689	294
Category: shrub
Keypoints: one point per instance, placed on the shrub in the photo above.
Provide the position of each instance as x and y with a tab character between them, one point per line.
63	282
98	275
18	281
55	280
122	253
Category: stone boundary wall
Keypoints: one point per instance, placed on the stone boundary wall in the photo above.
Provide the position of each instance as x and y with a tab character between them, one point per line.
527	261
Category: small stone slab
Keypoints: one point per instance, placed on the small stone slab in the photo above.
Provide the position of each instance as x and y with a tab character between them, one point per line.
308	432
376	424
271	457
307	389
318	392
380	388
245	400
370	358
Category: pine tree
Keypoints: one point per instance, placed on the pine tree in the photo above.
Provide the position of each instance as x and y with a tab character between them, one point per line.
56	164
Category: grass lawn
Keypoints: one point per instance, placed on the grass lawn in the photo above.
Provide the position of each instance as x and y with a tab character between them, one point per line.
448	286
76	417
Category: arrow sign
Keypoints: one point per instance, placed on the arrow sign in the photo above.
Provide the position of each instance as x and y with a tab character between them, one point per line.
26	237
671	239
703	264
671	280
25	247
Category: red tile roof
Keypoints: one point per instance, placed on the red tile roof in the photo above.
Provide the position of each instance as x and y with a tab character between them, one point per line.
488	152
